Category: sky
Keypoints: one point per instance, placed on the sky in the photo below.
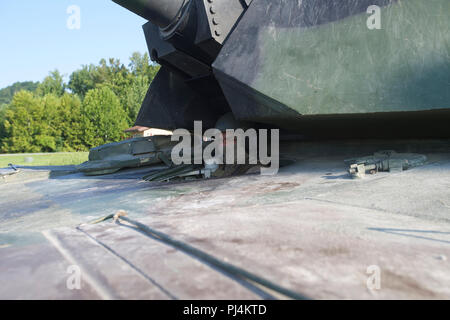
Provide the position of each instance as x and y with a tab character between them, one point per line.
35	38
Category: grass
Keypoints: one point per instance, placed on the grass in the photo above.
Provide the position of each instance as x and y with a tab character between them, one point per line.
43	159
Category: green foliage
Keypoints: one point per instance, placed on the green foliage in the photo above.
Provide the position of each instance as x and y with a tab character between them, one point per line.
140	66
112	74
134	96
7	94
3	108
23	124
103	118
94	108
42	124
71	127
52	84
83	80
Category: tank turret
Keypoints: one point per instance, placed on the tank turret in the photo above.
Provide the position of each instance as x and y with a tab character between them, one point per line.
364	68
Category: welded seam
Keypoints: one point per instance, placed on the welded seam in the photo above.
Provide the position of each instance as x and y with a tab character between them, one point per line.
131	265
102	291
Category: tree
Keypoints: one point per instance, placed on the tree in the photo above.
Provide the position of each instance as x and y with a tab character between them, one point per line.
3	108
103	118
6	94
134	97
21	121
140	65
83	80
129	85
32	124
43	124
111	73
114	76
142	74
52	84
101	102
69	115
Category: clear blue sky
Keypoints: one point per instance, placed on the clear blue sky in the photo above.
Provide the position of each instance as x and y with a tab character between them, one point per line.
35	39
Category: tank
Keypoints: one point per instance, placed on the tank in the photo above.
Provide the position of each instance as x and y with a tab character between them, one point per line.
325	69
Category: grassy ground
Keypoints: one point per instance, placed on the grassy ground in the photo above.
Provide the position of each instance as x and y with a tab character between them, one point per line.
43	159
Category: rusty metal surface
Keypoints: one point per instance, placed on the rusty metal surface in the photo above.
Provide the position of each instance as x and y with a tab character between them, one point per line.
311	229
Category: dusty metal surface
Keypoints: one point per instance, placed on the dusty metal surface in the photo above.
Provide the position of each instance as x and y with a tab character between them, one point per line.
310	229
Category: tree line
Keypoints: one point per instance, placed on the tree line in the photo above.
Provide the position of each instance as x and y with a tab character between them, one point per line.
92	108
